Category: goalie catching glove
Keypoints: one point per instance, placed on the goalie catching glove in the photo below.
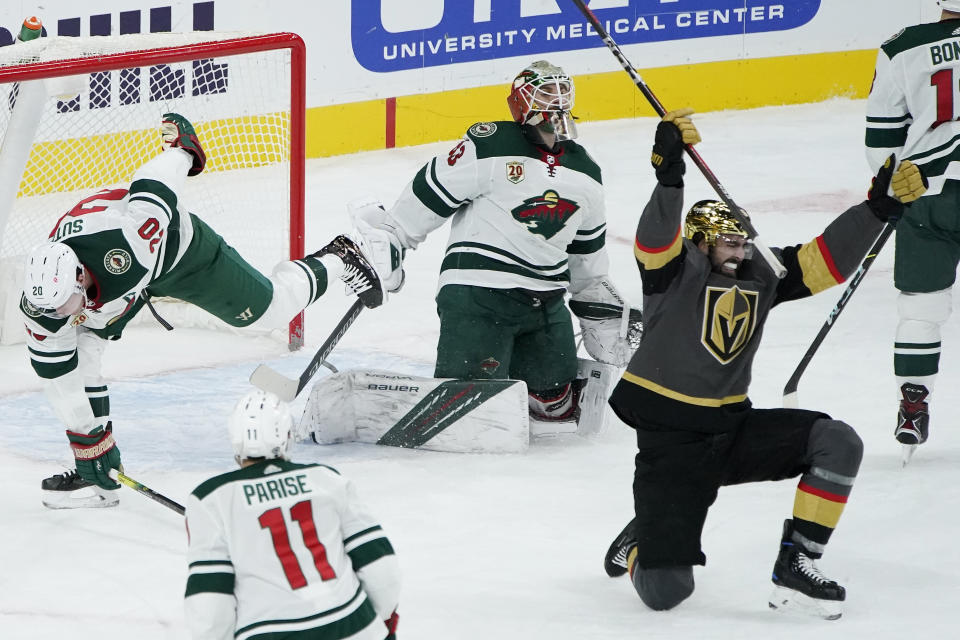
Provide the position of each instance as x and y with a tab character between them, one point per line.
381	241
96	454
610	328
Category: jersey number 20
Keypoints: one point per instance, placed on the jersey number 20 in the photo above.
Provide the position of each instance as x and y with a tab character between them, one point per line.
302	512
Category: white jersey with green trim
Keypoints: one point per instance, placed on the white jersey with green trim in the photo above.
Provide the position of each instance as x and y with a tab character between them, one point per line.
522	217
285	548
914	105
124	238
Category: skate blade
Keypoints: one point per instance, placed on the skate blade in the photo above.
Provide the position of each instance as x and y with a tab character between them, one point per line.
88	499
791	601
906	453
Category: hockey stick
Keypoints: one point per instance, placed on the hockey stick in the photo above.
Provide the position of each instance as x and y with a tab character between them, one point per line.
790	399
150	493
288	389
735	209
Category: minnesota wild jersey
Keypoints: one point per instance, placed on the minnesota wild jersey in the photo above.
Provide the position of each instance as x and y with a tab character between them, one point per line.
522	217
279	549
914	104
125	238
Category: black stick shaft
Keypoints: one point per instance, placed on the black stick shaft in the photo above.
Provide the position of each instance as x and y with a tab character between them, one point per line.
144	490
735	209
790	389
329	344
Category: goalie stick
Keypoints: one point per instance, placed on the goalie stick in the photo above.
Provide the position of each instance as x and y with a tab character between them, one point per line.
790	399
735	209
287	389
144	490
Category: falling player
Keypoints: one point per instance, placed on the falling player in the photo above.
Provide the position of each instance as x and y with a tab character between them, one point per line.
528	225
279	549
685	389
103	262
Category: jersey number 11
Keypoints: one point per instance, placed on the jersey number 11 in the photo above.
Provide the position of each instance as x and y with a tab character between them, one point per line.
302	512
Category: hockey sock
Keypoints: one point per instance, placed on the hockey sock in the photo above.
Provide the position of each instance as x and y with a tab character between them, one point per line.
835	451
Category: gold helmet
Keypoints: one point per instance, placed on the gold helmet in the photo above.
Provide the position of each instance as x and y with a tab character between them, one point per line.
711	218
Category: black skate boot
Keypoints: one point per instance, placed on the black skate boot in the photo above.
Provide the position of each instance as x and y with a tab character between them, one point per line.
69	491
615	562
358	274
913	419
800	585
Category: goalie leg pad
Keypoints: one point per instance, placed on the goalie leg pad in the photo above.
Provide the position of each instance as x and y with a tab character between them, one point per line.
381	407
598	380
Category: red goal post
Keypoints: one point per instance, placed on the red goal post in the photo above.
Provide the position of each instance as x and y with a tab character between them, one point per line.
79	114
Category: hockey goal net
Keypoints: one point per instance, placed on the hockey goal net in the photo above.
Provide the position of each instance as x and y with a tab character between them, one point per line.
80	114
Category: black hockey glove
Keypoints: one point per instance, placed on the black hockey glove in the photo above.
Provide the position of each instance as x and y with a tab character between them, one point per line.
908	184
675	130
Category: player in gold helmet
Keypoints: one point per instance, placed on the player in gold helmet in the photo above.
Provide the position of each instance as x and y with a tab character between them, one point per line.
718	235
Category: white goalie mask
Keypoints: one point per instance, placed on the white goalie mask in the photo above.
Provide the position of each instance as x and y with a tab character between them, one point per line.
950	5
260	427
542	95
52	279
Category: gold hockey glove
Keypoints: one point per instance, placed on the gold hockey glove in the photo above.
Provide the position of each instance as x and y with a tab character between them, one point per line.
908	182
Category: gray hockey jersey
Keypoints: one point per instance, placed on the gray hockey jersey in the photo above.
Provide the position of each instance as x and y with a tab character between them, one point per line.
702	328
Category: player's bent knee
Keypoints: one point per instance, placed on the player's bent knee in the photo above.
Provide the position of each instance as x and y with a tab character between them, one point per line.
834	446
933	307
663	588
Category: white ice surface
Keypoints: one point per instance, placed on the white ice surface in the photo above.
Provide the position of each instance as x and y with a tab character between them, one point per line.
511	546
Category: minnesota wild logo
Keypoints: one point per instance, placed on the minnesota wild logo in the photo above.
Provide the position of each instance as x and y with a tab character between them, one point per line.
545	214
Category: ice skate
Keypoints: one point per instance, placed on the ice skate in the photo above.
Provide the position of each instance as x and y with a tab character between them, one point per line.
615	562
800	586
358	273
69	491
913	420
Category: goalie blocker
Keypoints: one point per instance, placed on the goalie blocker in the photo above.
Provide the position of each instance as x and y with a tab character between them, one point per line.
460	416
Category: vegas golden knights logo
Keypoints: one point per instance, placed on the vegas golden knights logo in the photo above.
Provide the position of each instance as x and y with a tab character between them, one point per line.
729	318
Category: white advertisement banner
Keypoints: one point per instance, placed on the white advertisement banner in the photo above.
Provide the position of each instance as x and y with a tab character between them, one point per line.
367	49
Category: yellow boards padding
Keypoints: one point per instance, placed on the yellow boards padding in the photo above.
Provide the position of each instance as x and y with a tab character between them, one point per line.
710	86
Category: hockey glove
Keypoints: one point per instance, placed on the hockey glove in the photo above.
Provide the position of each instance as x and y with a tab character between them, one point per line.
96	454
380	241
177	132
610	328
908	184
675	130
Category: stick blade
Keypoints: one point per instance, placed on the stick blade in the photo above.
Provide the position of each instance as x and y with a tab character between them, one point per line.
263	377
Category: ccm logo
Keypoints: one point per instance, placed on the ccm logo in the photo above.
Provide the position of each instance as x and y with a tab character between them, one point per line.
392	387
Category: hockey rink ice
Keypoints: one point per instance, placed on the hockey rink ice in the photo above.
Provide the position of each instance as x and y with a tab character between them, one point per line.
511	546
